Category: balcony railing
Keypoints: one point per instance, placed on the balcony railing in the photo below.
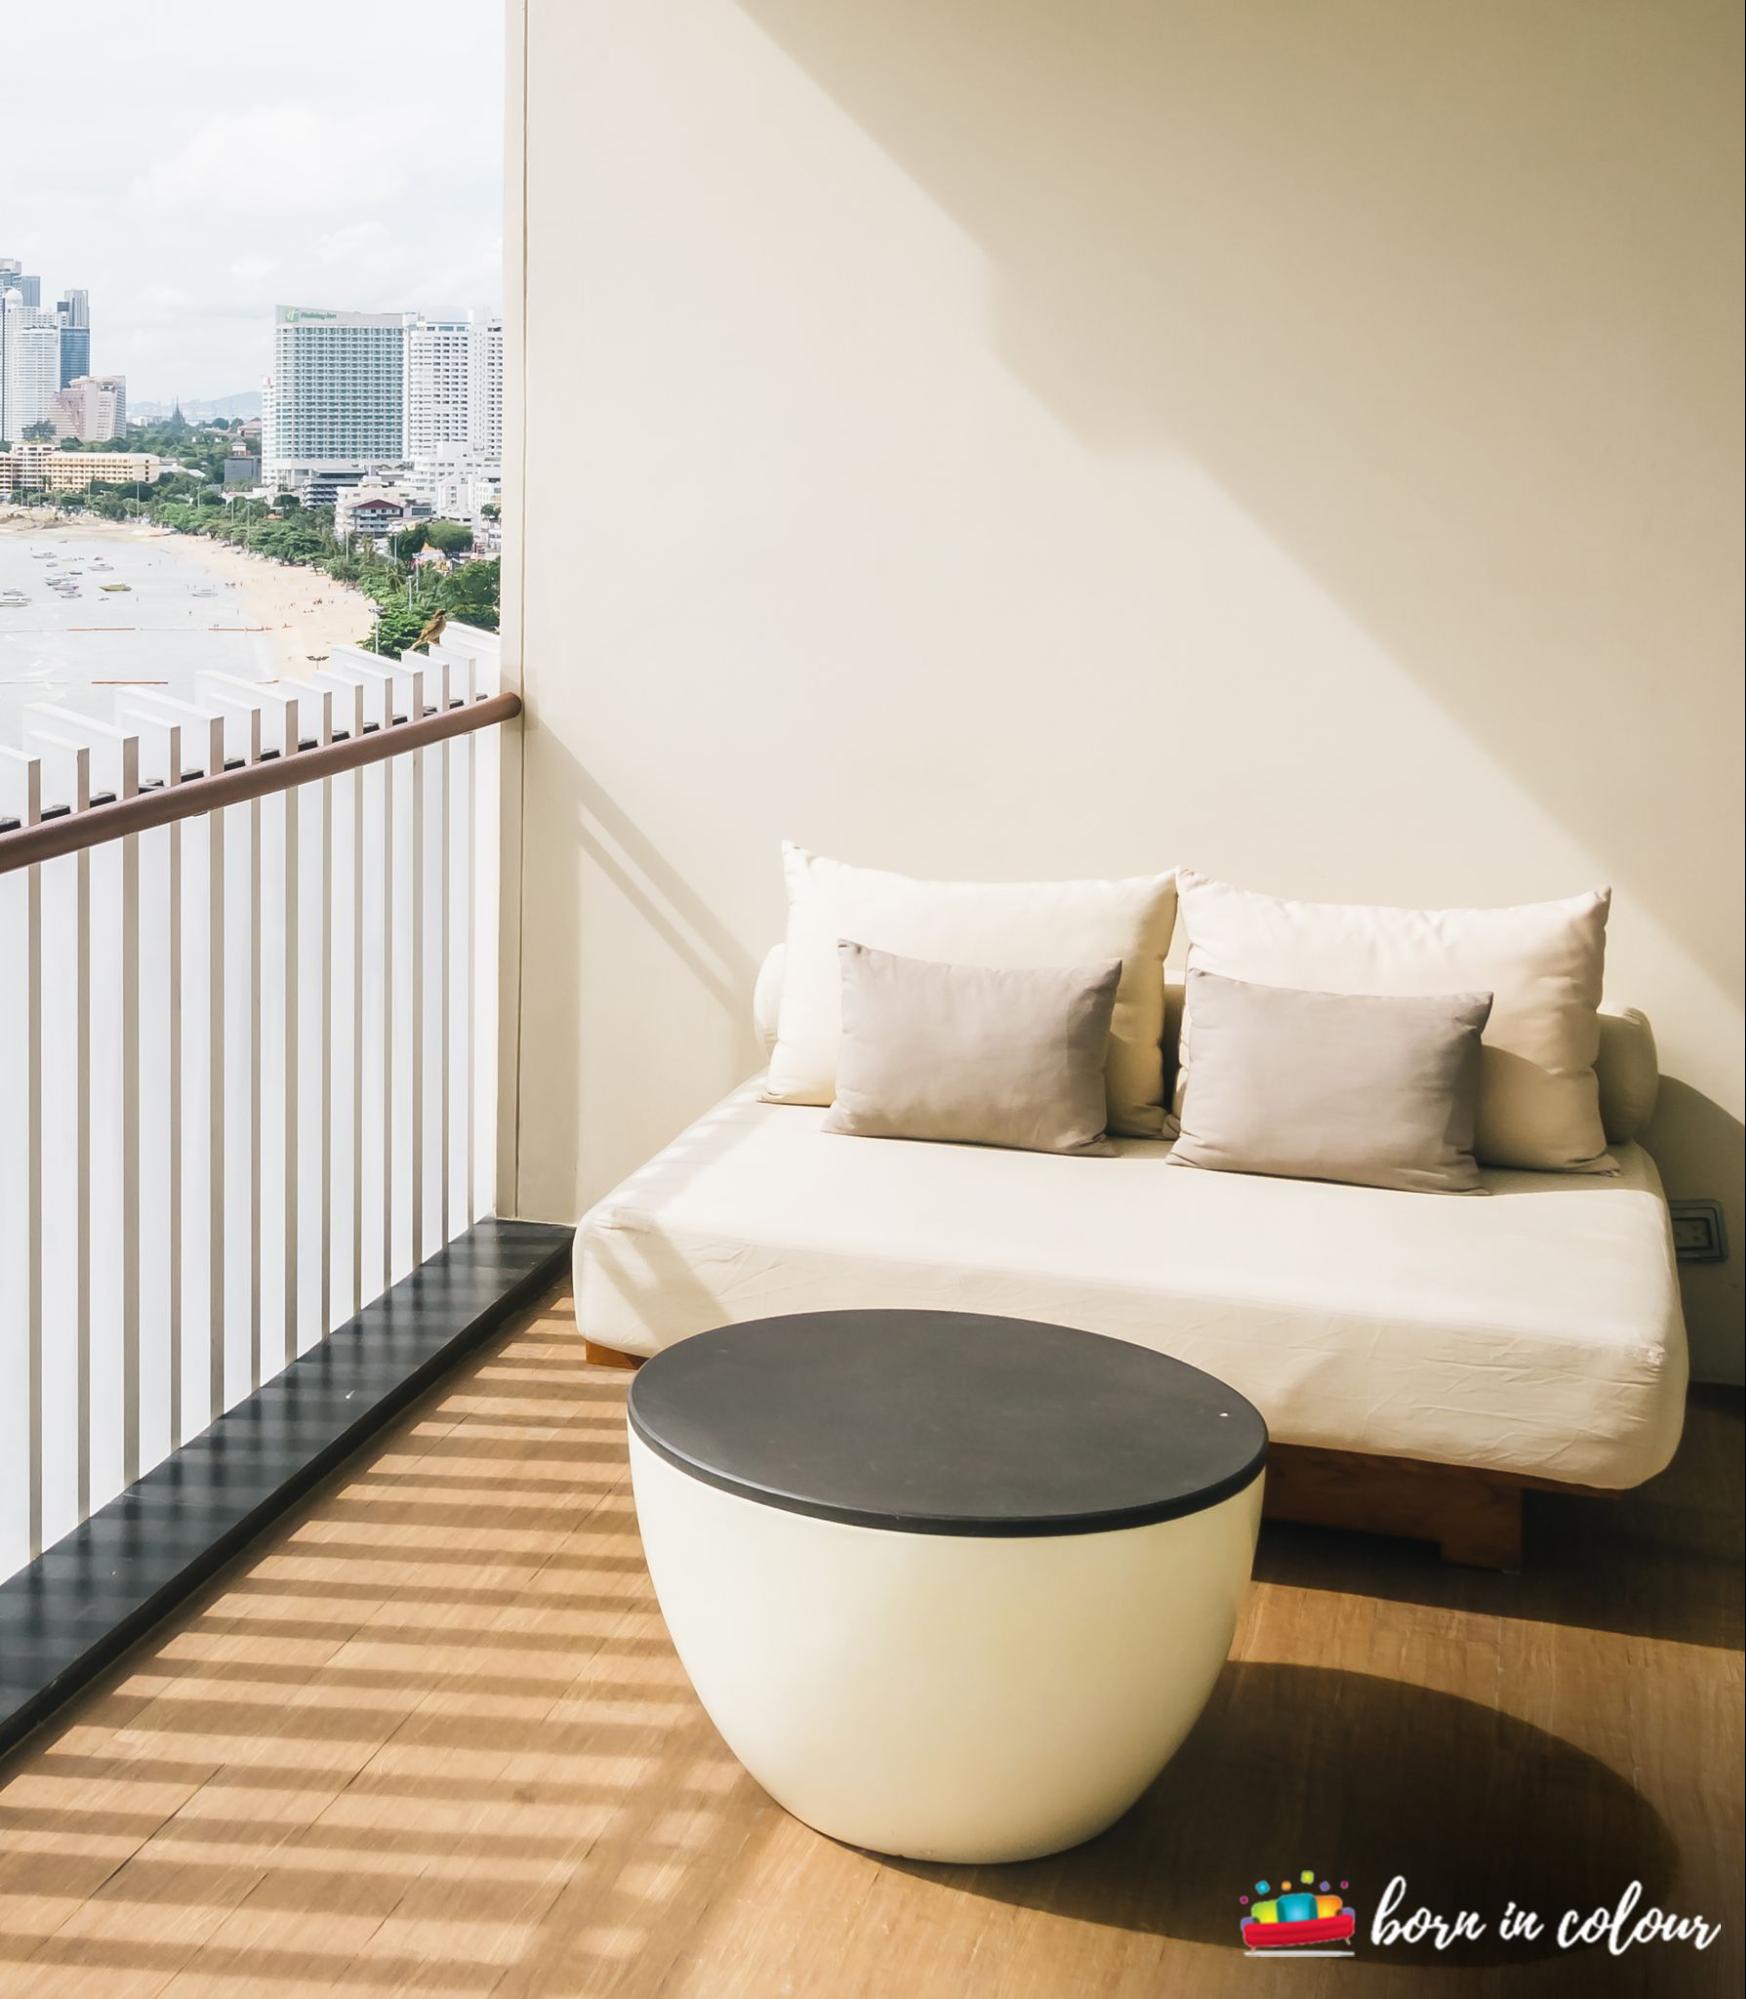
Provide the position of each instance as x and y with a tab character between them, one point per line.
248	978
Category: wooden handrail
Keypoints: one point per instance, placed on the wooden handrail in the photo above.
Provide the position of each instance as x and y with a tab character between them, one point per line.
73	832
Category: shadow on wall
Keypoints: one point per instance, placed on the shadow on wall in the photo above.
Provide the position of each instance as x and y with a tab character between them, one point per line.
1440	294
586	846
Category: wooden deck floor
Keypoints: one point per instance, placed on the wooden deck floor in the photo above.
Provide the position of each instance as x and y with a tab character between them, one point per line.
430	1739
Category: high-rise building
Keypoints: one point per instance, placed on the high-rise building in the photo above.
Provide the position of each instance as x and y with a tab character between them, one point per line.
454	387
485	425
30	365
438	380
75	354
13	277
74	314
337	402
93	409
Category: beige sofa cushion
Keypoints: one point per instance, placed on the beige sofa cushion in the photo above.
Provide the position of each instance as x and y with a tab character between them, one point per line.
1012	925
767	996
1538	1331
1539	1102
972	1053
1629	1072
1368	1090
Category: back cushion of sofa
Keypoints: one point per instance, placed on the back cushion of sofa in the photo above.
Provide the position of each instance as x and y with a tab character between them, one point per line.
1539	1101
767	997
1629	1073
1002	925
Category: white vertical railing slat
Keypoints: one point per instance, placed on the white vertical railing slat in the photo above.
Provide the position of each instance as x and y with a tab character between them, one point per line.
159	1152
21	1181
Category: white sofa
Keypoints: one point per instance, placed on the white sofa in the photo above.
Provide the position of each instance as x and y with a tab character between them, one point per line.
1535	1336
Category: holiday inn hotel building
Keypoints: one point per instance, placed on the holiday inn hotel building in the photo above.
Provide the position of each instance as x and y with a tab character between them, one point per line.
336	406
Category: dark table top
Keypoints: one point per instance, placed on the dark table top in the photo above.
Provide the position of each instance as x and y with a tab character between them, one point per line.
947	1423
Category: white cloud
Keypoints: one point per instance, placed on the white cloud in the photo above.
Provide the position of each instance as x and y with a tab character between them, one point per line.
301	159
351	163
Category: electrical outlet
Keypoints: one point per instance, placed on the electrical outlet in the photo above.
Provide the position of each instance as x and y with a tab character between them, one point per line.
1698	1233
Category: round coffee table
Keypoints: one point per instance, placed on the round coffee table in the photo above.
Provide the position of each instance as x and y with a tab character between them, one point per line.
950	1586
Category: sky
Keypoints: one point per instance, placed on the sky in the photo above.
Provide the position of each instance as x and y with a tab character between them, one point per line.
192	166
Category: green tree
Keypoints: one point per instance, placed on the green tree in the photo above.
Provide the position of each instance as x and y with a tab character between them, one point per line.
470	594
449	537
39	433
110	502
397	625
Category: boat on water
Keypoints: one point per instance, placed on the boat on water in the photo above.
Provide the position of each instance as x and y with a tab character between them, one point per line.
115	586
13	600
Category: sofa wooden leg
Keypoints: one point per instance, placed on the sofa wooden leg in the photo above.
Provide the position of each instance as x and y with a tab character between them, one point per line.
1487	1535
599	1356
1474	1517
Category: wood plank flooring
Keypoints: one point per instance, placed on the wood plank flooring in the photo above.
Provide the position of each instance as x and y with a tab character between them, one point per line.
429	1739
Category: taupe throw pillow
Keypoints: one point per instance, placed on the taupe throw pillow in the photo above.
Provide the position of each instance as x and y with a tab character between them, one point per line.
1377	1092
968	1052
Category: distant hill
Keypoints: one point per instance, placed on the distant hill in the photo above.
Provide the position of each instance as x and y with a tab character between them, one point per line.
248	403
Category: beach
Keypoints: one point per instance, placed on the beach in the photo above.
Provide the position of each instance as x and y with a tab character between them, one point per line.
140	605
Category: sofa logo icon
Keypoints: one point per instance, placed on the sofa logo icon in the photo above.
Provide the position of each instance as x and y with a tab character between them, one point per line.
1305	1918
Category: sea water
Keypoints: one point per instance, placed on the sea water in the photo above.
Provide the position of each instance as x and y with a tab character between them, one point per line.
176	619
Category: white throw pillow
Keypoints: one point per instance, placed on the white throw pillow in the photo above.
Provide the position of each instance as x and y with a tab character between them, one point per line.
1539	1102
1005	925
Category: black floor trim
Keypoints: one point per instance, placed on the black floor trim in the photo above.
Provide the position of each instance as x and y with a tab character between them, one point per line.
81	1604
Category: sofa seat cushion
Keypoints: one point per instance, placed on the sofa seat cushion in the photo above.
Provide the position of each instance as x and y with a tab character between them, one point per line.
1538	1332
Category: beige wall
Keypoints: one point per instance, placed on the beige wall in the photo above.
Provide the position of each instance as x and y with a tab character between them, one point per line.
1019	437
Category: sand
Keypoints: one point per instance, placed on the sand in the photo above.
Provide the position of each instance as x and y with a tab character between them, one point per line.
301	612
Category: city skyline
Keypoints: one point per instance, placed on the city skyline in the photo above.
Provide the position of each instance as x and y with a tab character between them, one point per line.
353	393
281	178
